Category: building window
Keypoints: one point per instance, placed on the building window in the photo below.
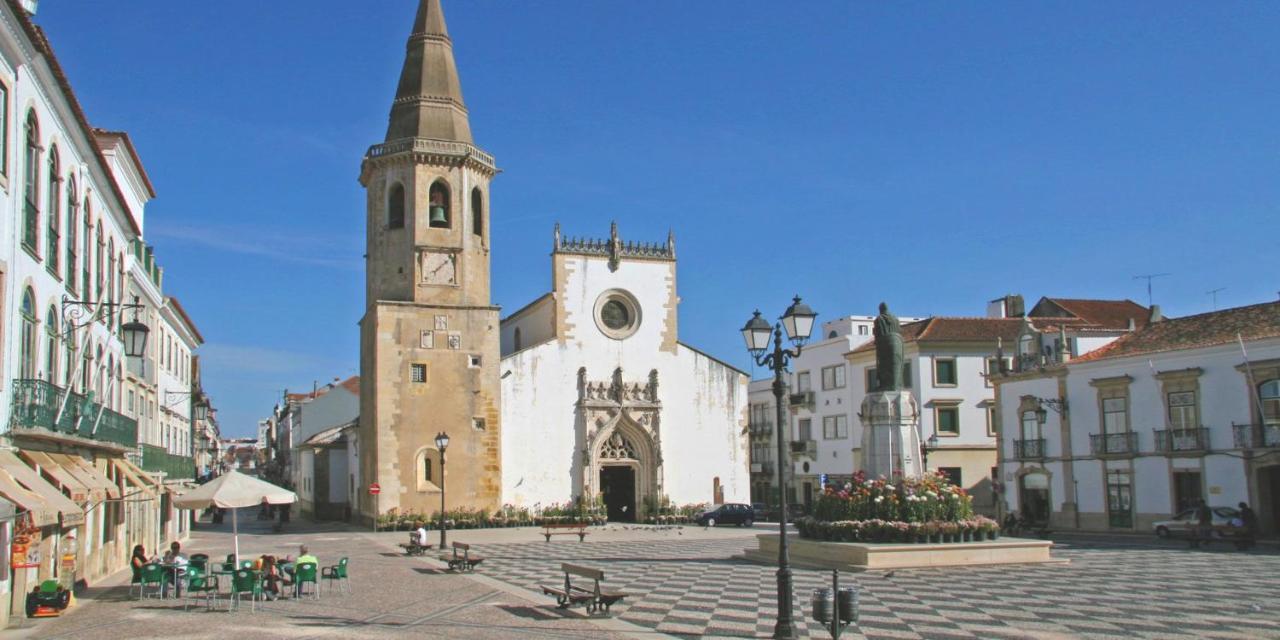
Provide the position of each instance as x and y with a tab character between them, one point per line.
477	212
835	427
1115	415
395	207
426	469
477	424
953	475
440	214
833	377
1120	499
31	188
617	314
1182	410
873	381
991	421
805	429
862	329
906	375
944	372
517	340
802	382
1269	397
73	226
51	346
86	291
27	335
418	373
473	361
54	238
994	368
4	136
947	420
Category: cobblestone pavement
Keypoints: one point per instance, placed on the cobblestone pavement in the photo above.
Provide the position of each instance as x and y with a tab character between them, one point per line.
1110	589
686	582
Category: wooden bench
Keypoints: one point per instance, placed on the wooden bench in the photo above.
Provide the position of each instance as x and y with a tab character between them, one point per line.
464	562
414	549
596	599
566	528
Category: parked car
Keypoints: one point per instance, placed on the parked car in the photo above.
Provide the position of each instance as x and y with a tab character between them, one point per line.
1185	522
731	513
760	510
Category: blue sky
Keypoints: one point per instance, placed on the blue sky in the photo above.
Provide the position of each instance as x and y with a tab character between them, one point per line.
935	155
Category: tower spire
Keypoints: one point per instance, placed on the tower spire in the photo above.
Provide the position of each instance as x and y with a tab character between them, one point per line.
428	100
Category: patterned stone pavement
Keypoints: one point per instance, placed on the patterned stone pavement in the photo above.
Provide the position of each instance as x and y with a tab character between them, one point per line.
1109	590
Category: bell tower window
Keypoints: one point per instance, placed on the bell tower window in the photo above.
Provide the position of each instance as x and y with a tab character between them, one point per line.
395	207
477	212
440	214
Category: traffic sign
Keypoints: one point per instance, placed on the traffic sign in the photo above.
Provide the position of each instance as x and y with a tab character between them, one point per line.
374	489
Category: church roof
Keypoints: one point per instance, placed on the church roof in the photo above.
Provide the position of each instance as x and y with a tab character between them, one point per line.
428	100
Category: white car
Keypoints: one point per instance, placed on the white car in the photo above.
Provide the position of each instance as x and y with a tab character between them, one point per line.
1186	521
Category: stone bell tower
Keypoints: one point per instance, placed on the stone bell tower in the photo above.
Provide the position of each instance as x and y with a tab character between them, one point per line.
429	337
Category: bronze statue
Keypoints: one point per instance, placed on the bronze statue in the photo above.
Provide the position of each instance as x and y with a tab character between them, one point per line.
888	335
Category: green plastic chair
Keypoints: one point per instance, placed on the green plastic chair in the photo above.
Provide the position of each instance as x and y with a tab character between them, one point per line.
199	582
199	561
245	581
303	573
151	575
337	576
246	564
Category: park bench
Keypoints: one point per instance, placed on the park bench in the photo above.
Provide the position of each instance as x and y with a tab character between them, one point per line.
464	561
565	528
596	598
412	548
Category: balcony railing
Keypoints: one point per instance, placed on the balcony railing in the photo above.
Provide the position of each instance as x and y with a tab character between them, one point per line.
1113	444
157	460
1172	440
1031	449
1256	436
36	403
804	448
761	427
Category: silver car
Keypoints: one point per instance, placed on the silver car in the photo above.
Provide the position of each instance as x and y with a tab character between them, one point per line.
1185	522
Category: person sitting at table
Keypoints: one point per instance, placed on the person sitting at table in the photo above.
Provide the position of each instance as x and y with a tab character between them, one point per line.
138	558
271	577
177	562
291	566
419	535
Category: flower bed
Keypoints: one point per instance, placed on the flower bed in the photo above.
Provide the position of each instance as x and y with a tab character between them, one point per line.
506	516
906	510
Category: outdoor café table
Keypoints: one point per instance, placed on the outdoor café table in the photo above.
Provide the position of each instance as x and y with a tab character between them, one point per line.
174	572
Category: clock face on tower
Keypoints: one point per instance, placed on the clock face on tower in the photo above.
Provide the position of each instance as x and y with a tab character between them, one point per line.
439	267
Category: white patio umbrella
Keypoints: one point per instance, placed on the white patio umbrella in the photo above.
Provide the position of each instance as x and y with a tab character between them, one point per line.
233	490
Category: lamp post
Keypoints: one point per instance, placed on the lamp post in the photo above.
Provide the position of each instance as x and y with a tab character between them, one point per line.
925	447
442	443
798	322
80	315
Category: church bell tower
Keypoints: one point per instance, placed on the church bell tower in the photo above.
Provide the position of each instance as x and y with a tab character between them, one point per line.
429	350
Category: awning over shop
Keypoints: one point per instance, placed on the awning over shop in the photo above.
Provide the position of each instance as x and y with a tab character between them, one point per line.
146	478
72	514
69	476
134	476
89	472
42	513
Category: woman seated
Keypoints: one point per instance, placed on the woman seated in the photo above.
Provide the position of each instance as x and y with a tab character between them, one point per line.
272	578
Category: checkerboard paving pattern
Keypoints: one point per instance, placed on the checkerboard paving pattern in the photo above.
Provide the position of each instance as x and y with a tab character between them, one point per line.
696	588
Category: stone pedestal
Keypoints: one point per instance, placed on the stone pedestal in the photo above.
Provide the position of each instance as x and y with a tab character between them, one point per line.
890	440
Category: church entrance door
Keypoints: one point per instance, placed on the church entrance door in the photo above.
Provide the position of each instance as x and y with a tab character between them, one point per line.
618	484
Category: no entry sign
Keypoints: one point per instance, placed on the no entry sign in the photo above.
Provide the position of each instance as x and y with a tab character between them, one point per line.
374	489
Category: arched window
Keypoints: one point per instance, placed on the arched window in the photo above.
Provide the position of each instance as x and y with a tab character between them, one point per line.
51	351
31	188
517	340
100	282
109	386
439	210
69	347
111	277
395	207
428	469
477	212
86	368
73	222
27	336
1269	397
86	284
55	213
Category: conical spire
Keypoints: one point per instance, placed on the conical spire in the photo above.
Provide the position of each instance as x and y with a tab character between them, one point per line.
428	101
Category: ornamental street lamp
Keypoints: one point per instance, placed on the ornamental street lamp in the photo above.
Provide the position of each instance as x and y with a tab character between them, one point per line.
78	316
798	322
925	447
442	443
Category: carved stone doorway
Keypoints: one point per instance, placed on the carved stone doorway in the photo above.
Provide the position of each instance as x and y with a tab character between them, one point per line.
618	485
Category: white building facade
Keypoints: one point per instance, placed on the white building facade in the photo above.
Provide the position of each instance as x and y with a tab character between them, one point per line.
600	398
1178	411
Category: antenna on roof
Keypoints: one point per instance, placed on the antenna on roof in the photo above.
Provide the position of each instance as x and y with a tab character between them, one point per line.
1214	293
1149	277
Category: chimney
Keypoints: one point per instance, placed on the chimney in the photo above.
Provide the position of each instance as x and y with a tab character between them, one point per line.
1007	306
1156	316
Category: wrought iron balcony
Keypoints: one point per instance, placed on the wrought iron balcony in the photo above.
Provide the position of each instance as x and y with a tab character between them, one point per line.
1256	436
1030	449
1173	440
804	448
760	427
157	460
36	403
1114	444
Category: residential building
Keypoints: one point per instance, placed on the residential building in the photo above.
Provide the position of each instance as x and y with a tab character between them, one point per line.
1176	411
319	455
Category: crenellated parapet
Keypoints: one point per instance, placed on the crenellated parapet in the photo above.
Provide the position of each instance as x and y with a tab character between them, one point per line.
614	248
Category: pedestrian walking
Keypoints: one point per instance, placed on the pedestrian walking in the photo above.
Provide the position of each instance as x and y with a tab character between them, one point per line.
1249	522
1204	525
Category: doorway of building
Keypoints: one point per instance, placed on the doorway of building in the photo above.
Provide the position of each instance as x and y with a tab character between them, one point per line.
1269	499
1033	497
618	484
1186	490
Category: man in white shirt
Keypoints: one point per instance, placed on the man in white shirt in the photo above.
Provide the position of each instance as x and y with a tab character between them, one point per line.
420	535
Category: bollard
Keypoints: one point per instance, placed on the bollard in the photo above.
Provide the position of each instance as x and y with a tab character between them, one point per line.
835	608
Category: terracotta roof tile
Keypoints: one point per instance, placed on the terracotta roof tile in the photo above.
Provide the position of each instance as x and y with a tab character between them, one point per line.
1253	322
957	329
1104	314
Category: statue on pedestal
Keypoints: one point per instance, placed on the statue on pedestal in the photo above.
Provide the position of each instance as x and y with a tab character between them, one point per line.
888	337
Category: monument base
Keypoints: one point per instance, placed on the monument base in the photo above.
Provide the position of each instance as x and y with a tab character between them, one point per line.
861	556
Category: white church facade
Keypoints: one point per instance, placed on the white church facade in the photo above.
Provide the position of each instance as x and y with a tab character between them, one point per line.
601	399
